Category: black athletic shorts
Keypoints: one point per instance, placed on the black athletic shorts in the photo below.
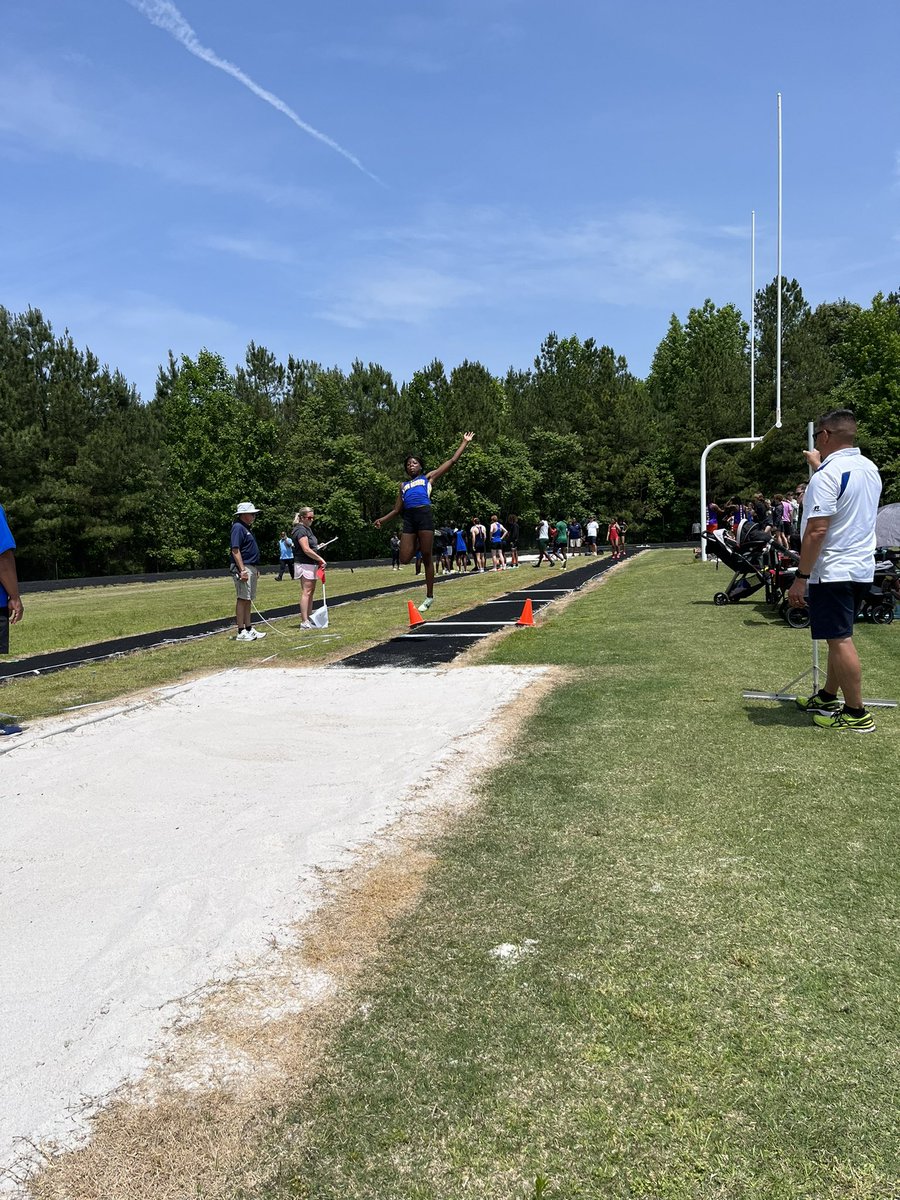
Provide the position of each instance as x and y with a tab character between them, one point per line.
4	630
833	608
418	520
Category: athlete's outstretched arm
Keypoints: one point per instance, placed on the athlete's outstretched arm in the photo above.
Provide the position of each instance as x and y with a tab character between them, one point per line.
444	467
395	511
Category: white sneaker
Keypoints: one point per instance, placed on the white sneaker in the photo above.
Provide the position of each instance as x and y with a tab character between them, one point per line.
305	625
426	604
245	636
257	635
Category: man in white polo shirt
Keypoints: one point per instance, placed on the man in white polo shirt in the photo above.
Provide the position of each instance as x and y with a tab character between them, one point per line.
837	559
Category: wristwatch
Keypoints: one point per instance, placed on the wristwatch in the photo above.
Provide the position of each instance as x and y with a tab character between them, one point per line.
800	575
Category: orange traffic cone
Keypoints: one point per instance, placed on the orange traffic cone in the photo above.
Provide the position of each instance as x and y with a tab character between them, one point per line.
415	617
527	617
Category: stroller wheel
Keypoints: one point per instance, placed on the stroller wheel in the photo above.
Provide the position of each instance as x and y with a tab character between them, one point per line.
720	598
883	616
797	618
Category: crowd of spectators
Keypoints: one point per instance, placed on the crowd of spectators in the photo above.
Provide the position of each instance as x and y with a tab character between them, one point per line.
779	514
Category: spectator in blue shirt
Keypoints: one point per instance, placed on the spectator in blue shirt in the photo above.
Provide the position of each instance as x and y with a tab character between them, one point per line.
10	601
286	557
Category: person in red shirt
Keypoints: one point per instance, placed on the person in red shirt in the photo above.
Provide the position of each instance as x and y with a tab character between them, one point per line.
613	537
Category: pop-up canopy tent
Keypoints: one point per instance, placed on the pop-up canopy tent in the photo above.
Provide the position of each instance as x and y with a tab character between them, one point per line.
887	526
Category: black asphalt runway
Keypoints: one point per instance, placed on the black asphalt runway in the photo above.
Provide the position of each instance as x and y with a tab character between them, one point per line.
441	639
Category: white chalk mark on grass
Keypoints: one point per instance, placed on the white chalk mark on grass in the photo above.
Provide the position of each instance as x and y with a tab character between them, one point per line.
510	953
164	15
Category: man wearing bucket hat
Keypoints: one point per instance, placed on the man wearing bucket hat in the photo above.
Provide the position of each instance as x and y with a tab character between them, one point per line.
245	569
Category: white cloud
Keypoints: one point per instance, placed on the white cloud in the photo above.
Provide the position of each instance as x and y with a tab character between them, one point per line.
497	257
43	112
252	248
134	330
398	292
35	107
388	57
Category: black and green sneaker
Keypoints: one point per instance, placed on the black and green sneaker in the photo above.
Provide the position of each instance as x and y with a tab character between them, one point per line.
843	720
818	704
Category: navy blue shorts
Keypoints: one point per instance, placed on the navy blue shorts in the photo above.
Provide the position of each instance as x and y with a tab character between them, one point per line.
833	608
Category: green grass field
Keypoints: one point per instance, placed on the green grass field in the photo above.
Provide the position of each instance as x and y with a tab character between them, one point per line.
80	616
707	892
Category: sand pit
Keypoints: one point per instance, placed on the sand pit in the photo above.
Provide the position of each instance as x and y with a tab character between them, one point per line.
147	852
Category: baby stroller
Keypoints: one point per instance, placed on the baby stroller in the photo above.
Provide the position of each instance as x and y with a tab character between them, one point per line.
782	571
878	606
743	553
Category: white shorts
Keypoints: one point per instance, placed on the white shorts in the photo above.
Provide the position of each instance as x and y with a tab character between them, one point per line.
305	570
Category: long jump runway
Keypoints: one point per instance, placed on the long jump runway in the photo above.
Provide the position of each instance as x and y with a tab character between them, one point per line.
440	640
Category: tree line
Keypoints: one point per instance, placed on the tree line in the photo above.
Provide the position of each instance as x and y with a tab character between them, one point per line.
97	481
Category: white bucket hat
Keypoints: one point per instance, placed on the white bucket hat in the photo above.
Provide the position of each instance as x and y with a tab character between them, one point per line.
245	507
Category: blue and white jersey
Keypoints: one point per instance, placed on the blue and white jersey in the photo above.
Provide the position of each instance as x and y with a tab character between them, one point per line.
416	492
846	489
7	542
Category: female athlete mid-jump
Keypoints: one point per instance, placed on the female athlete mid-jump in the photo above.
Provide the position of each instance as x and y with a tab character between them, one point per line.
414	501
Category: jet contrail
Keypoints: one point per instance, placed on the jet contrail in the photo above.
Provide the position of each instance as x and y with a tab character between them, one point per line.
166	16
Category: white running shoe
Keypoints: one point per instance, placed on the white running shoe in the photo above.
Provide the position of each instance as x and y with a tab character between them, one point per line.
257	635
306	625
426	604
245	636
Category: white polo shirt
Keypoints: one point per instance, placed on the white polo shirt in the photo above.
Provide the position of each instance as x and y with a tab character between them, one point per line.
846	488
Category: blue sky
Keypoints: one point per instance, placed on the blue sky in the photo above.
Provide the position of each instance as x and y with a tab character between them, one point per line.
586	167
